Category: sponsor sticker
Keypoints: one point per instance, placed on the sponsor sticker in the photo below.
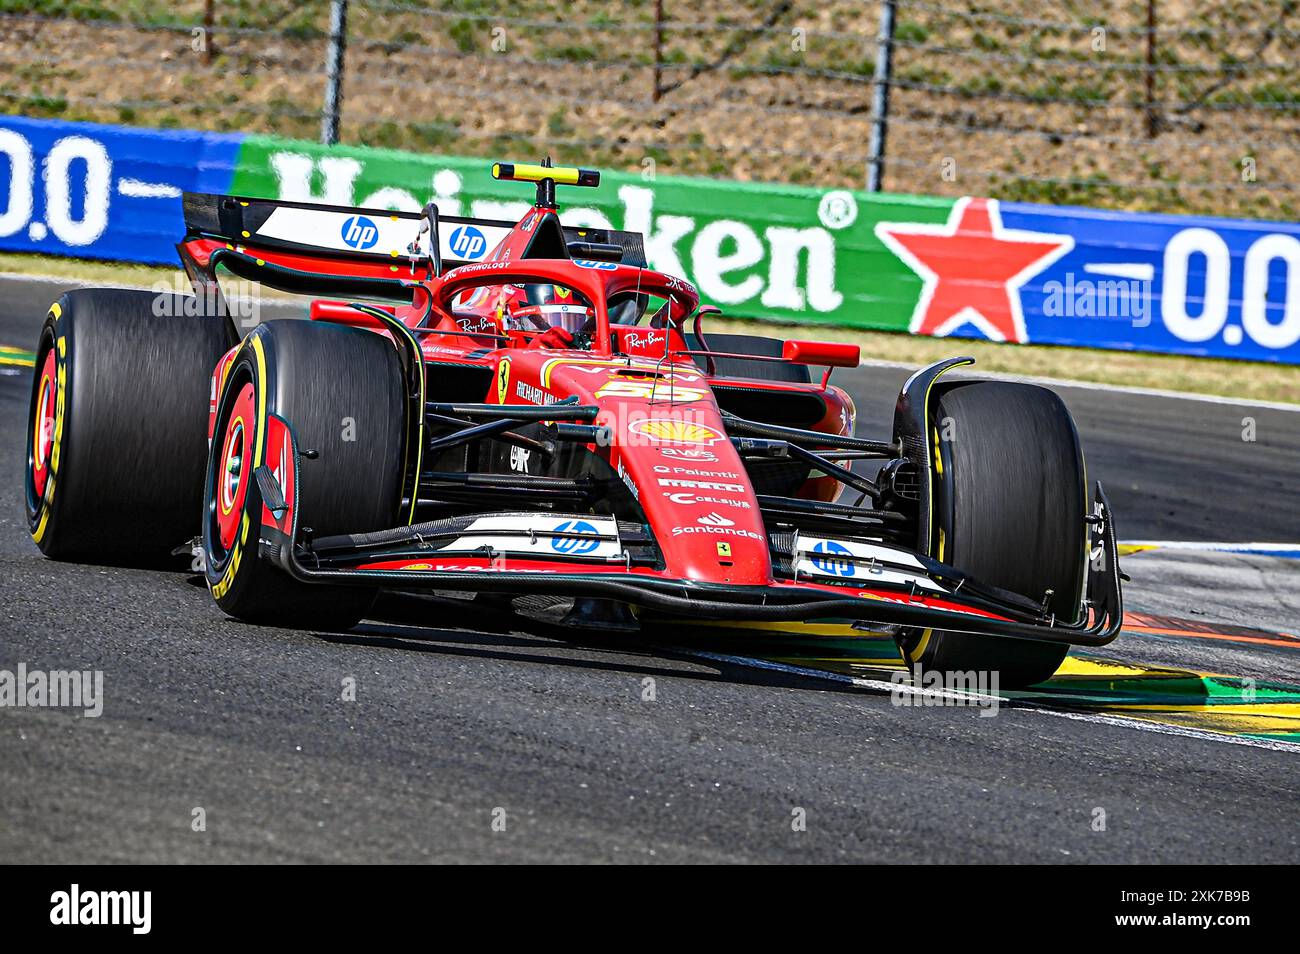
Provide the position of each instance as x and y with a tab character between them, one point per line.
631	484
686	453
670	431
360	233
533	394
714	485
833	558
575	546
503	380
731	531
688	499
468	244
649	390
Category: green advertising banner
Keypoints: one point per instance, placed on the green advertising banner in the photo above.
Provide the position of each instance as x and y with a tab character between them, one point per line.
968	267
758	251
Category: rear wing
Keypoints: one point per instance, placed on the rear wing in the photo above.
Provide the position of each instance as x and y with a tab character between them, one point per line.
367	235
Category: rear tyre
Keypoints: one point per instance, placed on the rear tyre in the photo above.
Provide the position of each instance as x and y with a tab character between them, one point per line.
117	426
340	389
1010	508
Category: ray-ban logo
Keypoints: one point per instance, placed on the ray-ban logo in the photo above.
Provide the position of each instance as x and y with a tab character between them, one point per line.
77	907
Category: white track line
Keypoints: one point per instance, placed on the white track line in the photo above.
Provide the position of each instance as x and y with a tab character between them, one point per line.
1095	386
872	363
880	685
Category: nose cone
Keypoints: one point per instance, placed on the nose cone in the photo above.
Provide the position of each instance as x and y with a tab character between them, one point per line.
693	487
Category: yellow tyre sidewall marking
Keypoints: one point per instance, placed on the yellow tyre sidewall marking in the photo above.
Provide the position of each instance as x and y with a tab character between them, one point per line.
222	587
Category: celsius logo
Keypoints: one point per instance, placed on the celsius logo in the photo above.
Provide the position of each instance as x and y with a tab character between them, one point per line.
574	546
468	244
75	907
834	558
360	233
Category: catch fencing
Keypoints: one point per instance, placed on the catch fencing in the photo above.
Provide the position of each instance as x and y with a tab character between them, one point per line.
1187	106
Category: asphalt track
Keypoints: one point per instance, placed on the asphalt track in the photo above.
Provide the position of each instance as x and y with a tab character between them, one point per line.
459	717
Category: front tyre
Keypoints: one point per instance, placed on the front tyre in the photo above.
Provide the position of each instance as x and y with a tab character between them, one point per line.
1010	507
340	389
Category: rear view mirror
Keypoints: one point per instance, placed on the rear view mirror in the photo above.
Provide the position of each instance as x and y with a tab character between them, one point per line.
831	354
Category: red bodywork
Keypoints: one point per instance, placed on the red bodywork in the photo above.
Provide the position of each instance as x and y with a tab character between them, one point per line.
700	511
668	439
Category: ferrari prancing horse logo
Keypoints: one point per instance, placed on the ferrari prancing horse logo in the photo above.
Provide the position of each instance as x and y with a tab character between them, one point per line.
503	380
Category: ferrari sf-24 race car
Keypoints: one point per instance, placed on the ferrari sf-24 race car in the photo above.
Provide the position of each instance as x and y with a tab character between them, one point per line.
528	410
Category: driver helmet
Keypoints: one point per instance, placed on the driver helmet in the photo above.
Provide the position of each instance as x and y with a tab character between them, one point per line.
556	305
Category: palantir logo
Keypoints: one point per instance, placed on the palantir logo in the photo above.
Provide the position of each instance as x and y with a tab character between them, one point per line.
360	233
468	244
833	558
575	546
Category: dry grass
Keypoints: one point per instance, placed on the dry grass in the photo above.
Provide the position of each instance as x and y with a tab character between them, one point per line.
1023	111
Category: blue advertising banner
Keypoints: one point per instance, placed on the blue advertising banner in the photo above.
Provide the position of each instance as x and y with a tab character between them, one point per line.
1142	282
105	192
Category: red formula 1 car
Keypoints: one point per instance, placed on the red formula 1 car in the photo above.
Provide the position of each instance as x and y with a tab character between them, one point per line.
528	410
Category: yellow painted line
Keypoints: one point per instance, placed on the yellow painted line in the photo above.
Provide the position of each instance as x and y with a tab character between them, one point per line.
13	355
1110	669
1240	720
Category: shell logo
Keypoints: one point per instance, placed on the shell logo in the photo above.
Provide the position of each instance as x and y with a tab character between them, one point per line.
668	431
418	566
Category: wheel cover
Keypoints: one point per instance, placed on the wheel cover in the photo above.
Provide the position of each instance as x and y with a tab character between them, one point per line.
235	467
43	424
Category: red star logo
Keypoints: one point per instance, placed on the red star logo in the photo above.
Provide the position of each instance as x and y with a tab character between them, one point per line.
973	268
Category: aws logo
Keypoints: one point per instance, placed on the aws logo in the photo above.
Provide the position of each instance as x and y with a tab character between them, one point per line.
360	233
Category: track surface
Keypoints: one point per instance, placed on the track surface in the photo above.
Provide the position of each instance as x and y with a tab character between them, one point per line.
452	723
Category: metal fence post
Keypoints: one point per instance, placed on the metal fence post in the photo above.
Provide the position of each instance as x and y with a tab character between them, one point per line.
1153	127
329	122
880	97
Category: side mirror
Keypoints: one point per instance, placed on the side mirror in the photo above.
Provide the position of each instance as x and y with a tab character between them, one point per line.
831	354
342	313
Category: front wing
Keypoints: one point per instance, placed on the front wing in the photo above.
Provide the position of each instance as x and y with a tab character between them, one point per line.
576	555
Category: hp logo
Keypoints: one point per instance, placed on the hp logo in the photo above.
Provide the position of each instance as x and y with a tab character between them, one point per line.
574	546
468	244
833	558
360	233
